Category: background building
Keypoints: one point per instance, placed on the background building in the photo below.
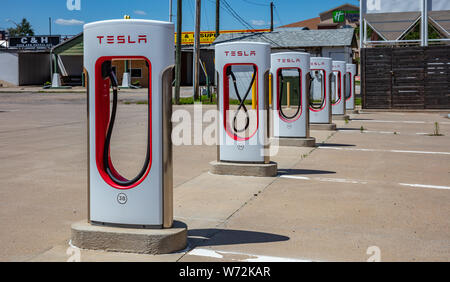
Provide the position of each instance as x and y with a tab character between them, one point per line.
334	43
340	17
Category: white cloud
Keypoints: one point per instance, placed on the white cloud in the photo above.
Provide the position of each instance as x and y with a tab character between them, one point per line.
258	22
69	22
140	12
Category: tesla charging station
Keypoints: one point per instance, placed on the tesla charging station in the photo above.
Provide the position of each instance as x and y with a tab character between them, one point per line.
350	87
338	87
291	80
243	86
145	200
320	92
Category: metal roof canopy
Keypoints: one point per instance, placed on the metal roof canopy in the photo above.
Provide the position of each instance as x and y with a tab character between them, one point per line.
392	19
291	38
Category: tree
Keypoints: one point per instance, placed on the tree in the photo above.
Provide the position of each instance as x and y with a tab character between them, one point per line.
22	29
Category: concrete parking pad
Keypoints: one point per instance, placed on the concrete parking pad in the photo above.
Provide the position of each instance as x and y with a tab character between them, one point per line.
378	187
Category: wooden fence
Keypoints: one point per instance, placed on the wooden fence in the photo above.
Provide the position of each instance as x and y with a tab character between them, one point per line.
406	78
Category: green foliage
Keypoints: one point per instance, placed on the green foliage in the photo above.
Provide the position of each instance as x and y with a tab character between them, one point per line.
22	29
414	34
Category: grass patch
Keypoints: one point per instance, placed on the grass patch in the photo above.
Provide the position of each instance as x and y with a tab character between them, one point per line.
436	131
204	100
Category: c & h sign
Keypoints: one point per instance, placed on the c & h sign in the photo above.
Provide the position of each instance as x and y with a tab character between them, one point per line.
34	42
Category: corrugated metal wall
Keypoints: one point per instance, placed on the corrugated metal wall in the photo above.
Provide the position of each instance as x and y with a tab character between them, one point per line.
34	68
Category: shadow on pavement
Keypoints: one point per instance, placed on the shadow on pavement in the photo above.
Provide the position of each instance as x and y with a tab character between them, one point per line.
348	129
216	236
303	171
335	145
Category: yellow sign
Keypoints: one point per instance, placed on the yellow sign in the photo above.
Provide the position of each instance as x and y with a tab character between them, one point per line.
208	37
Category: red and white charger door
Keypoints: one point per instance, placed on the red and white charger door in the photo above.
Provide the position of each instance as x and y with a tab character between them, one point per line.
141	203
350	87
338	87
290	103
243	69
320	96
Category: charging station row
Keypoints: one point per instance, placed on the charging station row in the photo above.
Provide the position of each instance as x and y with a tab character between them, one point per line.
305	90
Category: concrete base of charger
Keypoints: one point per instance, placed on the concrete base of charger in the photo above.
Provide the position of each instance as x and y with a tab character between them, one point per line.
129	240
244	169
293	142
322	126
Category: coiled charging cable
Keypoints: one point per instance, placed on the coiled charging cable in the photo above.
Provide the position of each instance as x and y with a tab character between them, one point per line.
119	180
241	100
281	79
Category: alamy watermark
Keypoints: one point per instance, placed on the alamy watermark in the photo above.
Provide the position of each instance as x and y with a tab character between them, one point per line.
73	5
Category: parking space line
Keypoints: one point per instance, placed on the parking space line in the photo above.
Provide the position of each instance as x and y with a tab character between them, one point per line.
250	257
425	186
324	179
386	151
353	181
399	121
384	132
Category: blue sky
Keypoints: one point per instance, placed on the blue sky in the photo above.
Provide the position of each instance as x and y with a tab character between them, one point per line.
66	22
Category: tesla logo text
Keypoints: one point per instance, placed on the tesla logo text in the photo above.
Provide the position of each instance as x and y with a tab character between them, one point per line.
240	53
122	39
288	60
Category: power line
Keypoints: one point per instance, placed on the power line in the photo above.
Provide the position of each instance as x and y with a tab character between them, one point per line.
245	23
278	15
256	4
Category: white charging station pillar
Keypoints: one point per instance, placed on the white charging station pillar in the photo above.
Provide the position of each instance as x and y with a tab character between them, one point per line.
146	200
243	99
291	79
320	94
350	87
338	88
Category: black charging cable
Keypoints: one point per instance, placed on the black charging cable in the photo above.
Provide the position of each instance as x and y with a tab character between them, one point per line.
241	99
311	92
281	79
107	72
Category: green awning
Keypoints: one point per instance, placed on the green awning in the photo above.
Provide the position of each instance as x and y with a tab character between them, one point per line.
70	47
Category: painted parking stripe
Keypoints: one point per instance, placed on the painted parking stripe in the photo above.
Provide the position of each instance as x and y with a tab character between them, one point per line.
425	186
384	132
400	121
387	151
250	257
325	179
295	177
353	181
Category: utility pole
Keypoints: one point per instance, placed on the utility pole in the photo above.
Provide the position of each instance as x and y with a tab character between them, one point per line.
50	26
170	11
178	53
217	17
271	16
197	50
